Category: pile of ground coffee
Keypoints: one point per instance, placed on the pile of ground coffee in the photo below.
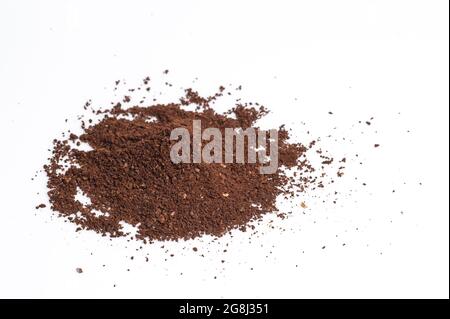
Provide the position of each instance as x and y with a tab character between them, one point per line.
128	176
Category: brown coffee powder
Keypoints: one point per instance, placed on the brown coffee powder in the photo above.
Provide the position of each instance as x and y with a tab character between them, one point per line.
128	175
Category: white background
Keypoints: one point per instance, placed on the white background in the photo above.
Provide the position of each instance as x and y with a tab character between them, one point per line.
358	59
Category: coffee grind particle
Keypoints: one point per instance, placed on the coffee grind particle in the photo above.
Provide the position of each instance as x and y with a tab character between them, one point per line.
128	175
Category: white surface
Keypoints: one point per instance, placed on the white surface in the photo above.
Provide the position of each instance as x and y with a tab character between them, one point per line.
301	59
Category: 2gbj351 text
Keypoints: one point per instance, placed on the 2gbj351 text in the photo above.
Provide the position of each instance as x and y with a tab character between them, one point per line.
243	309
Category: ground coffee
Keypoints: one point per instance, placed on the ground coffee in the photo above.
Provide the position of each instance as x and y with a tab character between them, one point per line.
127	176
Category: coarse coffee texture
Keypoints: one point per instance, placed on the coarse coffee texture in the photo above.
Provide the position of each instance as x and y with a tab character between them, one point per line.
128	175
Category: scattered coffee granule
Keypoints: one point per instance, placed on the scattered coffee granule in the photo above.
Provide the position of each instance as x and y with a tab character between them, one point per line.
41	206
129	178
79	270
